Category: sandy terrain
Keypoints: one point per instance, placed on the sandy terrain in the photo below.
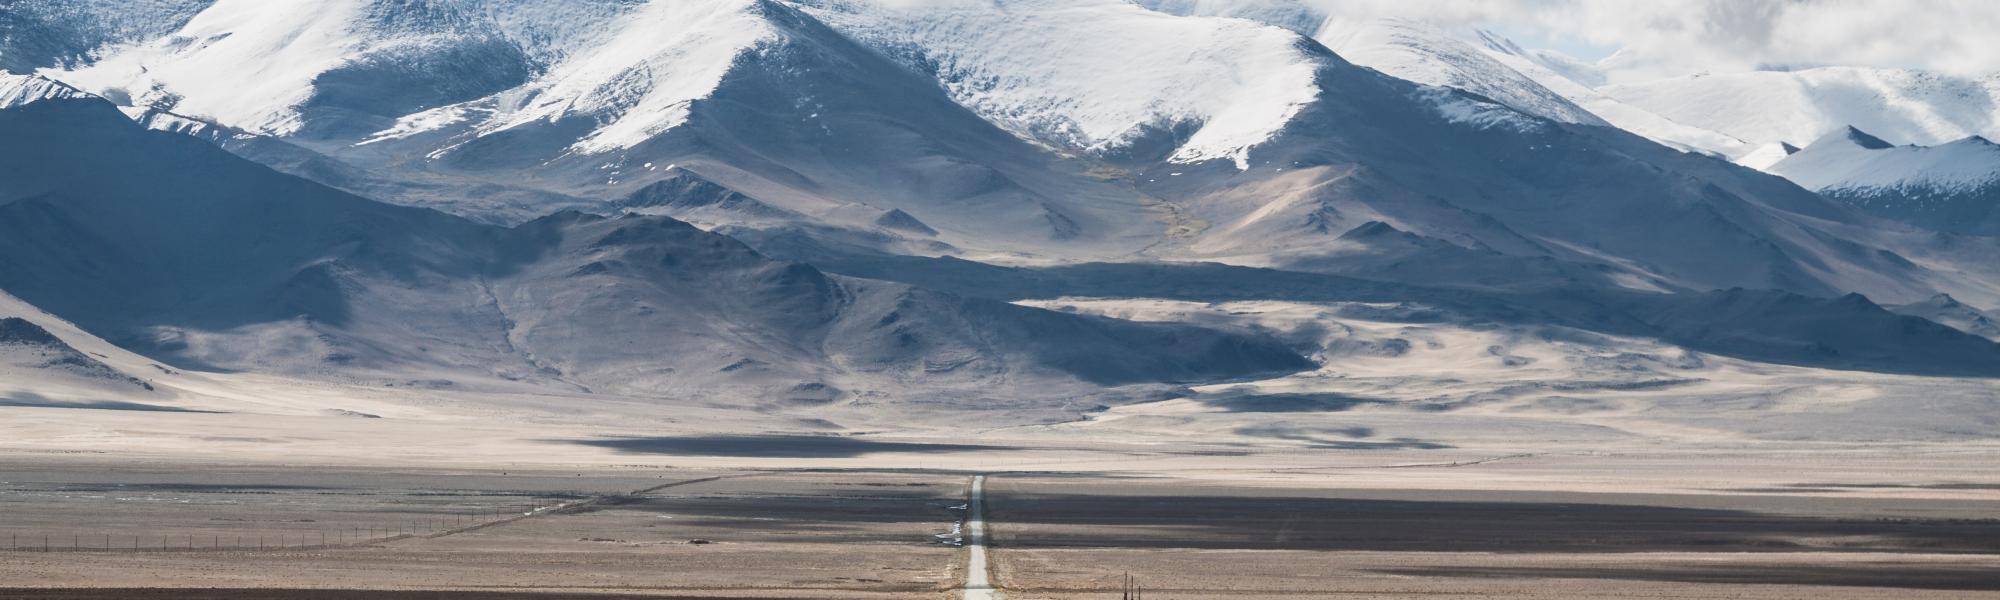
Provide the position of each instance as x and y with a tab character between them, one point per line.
1077	537
1183	530
727	534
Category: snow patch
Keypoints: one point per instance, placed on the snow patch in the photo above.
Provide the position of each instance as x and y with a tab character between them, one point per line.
1769	106
424	122
1424	54
1766	155
1098	75
643	75
245	63
1459	108
1837	162
17	90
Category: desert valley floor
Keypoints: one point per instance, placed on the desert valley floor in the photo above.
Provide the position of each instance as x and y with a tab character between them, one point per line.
837	517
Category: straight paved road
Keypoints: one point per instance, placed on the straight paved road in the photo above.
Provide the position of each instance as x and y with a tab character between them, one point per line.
977	587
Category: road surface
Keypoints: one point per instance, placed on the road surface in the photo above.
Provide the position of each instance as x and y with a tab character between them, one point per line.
976	585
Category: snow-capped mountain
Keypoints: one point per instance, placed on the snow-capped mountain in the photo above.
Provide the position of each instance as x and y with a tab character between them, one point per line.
1540	82
588	196
1293	15
1747	117
970	120
1407	49
319	68
1368	148
1764	156
447	105
1055	72
1170	136
1762	107
198	256
16	90
1950	187
1578	81
1417	52
1750	118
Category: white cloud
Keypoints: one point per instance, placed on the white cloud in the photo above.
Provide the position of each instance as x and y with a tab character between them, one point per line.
1671	37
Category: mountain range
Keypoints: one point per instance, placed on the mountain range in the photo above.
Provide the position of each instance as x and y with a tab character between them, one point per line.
211	261
811	202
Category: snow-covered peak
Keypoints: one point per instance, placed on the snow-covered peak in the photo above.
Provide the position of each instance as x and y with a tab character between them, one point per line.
395	66
1539	82
1766	155
248	63
1406	49
160	120
16	90
257	65
1568	67
1098	75
1849	159
644	73
1767	106
1422	53
1852	135
1576	80
1289	14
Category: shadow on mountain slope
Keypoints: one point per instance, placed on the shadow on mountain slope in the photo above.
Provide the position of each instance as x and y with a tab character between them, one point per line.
172	246
1847	332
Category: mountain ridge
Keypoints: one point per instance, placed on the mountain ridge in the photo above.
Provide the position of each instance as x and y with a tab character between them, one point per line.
329	285
1953	187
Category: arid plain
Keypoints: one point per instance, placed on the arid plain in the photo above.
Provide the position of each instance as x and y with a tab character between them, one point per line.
835	517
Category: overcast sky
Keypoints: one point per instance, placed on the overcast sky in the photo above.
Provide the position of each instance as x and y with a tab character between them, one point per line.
1672	37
